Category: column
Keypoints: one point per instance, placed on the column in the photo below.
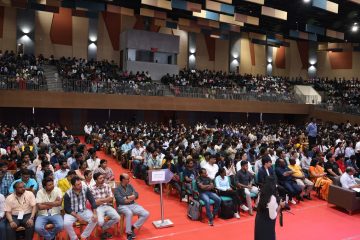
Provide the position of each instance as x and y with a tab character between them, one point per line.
191	50
269	60
25	31
93	36
312	70
234	52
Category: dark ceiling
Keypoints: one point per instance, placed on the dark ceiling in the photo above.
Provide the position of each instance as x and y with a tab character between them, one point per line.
299	14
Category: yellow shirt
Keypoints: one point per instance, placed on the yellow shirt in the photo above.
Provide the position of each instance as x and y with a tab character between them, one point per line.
64	185
297	170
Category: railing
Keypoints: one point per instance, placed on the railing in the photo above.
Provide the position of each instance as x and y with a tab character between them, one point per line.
7	83
233	94
84	86
340	108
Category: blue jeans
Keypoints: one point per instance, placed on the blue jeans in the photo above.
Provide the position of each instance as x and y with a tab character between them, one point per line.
3	229
41	222
292	187
206	196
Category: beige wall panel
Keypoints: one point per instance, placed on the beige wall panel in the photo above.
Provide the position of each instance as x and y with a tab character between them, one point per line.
105	49
80	36
245	59
294	60
202	56
43	44
260	60
8	41
165	30
182	58
222	55
127	22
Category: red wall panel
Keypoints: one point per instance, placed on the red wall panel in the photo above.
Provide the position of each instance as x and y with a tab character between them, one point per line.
61	27
210	45
113	26
340	60
303	47
280	58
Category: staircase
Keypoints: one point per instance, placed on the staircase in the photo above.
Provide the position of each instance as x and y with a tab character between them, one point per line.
52	78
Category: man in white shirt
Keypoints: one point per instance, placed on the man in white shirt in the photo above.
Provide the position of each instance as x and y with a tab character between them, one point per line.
211	167
93	162
137	156
347	180
88	130
49	201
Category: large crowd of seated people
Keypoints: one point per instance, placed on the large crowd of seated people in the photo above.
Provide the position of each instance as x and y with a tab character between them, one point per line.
21	71
49	176
234	157
104	77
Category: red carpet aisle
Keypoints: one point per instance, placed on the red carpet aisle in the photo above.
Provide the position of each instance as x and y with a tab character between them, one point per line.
313	220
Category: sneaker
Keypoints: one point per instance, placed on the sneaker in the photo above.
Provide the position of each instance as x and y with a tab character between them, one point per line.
134	177
184	199
308	197
133	232
236	215
129	236
245	208
211	222
293	202
251	213
106	235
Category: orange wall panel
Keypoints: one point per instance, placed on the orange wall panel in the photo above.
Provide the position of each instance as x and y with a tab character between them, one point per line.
340	60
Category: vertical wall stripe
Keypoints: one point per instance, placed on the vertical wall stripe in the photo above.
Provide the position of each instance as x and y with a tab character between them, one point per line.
2	13
210	46
303	47
280	59
113	26
252	52
61	27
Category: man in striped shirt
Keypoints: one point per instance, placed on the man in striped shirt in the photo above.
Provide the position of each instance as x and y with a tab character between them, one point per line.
75	210
104	200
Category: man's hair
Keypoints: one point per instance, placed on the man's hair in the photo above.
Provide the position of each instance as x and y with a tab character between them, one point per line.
349	169
96	175
44	164
87	172
46	180
122	177
47	173
202	170
75	179
25	172
16	184
243	163
265	159
329	155
102	161
71	172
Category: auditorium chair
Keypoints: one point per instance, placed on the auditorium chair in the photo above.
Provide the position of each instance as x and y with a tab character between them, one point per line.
344	198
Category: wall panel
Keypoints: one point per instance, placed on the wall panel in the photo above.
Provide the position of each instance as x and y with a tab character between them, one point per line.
8	40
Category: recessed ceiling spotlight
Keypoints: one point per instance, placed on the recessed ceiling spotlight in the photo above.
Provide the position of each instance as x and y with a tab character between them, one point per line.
355	27
306	1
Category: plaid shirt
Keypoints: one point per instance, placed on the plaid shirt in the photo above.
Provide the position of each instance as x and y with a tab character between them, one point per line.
5	183
76	202
101	192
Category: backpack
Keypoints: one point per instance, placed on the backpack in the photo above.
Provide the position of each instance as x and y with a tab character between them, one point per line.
193	211
226	210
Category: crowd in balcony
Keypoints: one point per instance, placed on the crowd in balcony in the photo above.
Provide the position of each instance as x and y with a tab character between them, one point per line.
21	71
103	77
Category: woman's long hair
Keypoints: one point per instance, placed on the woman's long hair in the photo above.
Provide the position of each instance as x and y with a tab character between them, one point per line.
267	190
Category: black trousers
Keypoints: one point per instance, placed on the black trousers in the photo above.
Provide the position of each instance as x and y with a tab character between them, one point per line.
29	231
234	196
312	142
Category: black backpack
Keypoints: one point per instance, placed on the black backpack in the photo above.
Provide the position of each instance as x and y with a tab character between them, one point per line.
226	210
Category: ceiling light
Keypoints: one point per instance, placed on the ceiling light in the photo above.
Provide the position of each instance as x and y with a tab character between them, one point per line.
306	1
